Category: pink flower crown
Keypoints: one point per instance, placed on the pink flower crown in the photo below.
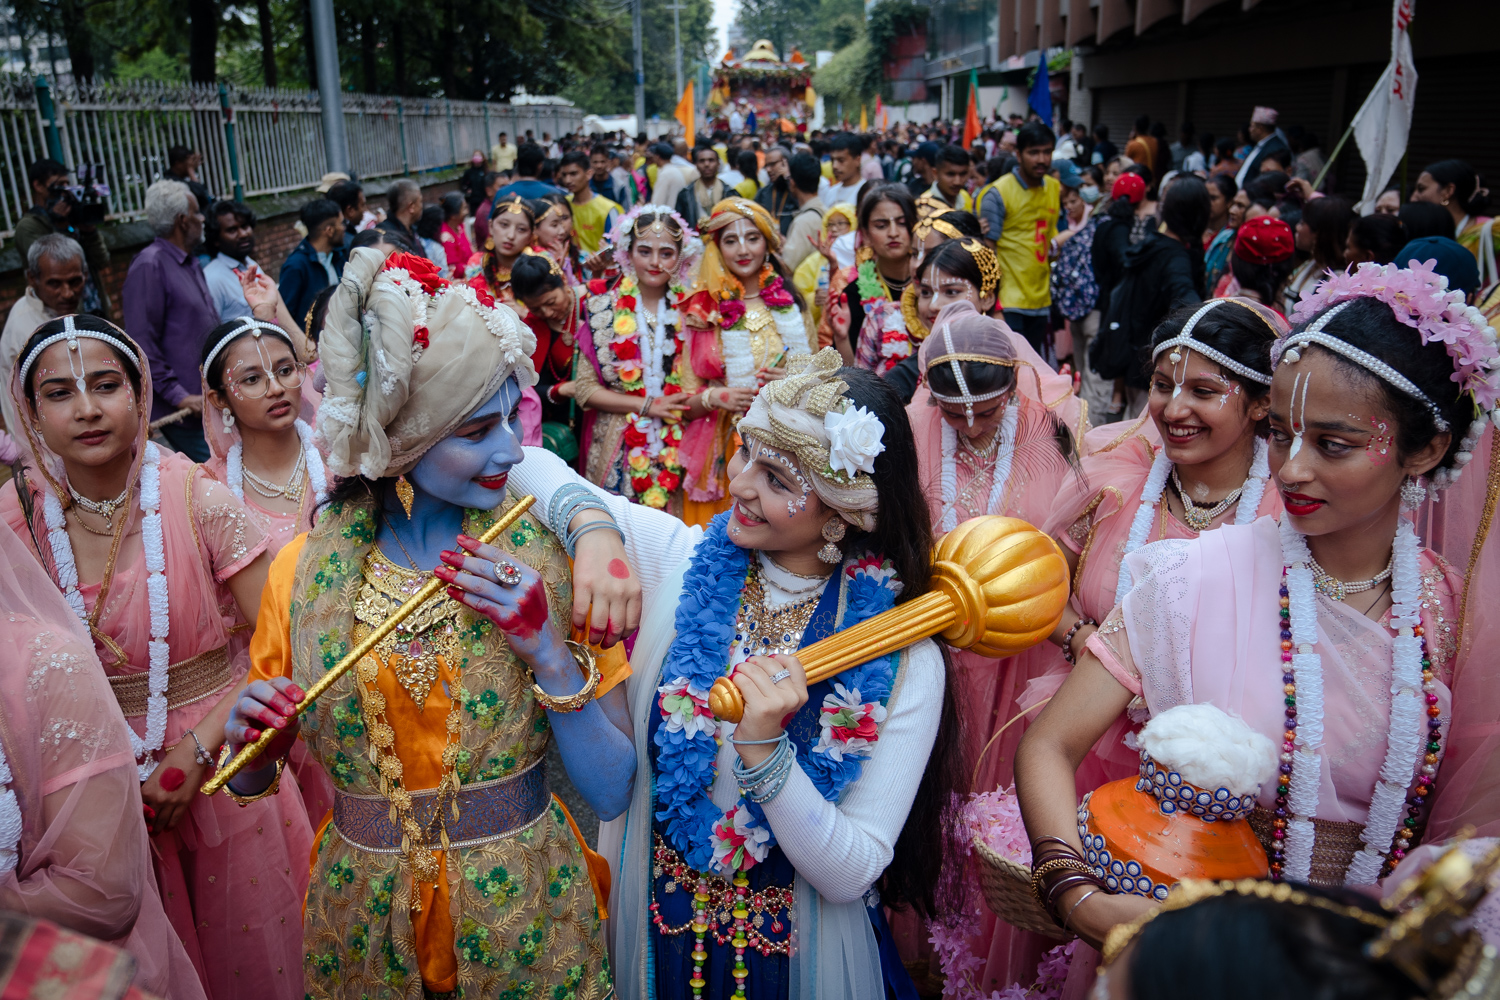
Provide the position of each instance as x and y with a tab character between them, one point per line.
1420	298
619	240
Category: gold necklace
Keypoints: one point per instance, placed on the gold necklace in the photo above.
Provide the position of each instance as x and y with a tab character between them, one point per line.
766	631
414	646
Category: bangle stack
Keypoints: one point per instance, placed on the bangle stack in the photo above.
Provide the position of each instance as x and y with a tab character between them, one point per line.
566	503
764	782
1067	643
1057	867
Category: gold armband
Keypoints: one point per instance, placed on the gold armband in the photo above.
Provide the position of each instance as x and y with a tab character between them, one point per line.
584	657
245	800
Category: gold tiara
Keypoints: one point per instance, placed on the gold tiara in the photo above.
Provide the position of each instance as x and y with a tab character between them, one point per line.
552	265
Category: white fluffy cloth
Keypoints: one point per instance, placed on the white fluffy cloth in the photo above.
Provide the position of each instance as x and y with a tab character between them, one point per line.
1210	748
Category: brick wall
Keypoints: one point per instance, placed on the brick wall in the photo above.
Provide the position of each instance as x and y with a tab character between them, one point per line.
275	238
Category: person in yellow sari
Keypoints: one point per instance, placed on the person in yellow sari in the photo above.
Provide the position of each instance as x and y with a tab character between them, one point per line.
446	867
741	321
811	277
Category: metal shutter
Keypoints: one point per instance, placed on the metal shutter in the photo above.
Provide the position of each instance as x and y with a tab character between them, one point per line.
1118	107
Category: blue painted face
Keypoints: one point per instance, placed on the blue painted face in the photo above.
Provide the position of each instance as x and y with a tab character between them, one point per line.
469	467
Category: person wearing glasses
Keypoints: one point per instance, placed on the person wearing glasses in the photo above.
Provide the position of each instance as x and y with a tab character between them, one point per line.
262	449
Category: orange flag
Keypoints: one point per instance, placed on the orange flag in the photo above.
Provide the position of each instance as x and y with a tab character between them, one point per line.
684	112
971	117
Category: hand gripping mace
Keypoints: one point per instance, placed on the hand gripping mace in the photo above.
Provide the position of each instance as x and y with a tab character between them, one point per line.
998	587
250	751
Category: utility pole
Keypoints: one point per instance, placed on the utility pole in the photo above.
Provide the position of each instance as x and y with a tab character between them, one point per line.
640	70
677	37
330	96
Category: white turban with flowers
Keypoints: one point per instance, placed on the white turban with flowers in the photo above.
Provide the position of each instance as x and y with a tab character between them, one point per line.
408	356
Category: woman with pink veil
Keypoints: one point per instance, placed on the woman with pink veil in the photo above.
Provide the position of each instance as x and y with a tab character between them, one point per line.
995	429
73	849
144	547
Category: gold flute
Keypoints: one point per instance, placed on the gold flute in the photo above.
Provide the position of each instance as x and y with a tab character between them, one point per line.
998	586
252	750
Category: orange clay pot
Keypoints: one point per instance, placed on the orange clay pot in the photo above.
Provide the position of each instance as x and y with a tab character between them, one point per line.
1138	847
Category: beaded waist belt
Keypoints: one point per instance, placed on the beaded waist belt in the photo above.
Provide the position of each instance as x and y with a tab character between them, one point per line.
488	810
1335	842
188	681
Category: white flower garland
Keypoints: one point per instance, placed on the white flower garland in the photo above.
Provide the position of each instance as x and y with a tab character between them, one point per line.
156	590
234	466
1156	484
1408	725
10	818
1001	472
793	333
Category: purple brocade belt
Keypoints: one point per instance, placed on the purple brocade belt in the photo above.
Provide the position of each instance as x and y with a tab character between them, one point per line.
487	810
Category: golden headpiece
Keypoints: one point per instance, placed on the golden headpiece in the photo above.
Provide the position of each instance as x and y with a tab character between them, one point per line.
552	264
808	414
931	223
989	267
514	205
1424	933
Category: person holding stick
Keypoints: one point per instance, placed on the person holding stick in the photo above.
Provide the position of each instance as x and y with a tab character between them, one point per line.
447	866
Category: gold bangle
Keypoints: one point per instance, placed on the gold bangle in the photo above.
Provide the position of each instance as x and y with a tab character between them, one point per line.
245	800
584	657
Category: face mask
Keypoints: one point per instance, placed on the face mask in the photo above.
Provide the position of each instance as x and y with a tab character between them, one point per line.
1089	193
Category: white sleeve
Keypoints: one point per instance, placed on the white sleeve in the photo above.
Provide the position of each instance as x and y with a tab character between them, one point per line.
842	849
656	543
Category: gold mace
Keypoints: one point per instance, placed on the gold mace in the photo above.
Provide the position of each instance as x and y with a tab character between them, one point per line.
999	586
250	751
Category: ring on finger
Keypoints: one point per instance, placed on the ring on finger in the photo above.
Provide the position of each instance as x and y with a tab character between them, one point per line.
780	676
508	573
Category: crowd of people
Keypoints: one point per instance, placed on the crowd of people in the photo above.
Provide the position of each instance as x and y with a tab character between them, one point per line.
752	382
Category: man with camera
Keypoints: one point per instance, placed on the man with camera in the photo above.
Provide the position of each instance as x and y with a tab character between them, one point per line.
58	207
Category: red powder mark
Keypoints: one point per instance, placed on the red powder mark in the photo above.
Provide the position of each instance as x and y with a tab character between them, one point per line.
172	779
618	569
147	811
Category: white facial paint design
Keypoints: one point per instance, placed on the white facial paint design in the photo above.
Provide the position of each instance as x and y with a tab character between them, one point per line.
792	468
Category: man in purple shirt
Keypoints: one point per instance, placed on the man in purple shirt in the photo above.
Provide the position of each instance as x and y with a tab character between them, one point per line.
168	311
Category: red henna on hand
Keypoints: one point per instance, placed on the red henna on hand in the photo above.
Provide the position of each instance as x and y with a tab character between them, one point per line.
445	573
453	558
618	569
469	542
172	779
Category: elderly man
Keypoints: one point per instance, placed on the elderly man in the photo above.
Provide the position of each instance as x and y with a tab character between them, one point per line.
169	310
56	275
52	204
1268	142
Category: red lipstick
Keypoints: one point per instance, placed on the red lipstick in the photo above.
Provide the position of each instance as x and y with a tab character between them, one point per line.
1300	505
493	482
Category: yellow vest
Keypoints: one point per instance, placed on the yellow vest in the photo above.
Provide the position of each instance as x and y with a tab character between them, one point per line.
1023	248
589	219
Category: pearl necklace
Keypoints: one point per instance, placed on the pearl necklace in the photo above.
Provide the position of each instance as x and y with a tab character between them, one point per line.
1000	471
311	459
1340	589
104	508
291	489
1414	740
1202	519
1156	484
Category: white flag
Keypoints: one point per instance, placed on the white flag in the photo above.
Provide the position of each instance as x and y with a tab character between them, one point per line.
1384	120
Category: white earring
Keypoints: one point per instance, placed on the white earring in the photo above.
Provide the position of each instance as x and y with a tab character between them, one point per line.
1412	493
228	420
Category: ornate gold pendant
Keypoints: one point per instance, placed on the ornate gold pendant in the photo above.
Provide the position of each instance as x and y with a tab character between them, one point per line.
412	650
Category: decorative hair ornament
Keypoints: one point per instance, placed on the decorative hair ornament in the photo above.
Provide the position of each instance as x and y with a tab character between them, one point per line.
965	398
628	229
254	327
808	414
1419	297
1183	343
554	208
72	334
552	265
732	210
926	226
515	206
984	257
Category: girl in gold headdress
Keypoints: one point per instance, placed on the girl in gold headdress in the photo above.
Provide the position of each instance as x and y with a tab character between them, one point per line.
741	322
511	228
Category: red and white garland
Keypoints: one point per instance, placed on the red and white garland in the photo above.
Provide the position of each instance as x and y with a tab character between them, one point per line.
156	590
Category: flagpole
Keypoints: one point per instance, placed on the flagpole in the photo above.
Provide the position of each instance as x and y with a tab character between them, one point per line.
1328	164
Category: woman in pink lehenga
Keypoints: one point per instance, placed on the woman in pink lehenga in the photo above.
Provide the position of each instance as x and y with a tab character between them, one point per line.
72	846
140	552
1332	633
1200	441
994	429
253	389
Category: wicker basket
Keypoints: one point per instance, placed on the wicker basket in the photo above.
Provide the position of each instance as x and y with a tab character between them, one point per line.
1007	892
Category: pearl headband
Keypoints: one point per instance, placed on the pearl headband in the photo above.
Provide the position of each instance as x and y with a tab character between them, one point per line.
1291	352
71	334
964	397
1185	339
253	327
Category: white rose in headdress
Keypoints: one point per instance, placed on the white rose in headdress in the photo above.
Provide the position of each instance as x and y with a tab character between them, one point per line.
855	437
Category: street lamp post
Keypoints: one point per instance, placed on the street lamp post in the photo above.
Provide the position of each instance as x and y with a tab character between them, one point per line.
326	46
640	70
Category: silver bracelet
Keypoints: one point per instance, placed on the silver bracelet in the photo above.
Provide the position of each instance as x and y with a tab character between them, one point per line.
200	754
752	743
1076	906
570	542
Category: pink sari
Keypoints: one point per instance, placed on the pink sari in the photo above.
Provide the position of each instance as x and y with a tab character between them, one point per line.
989	689
83	856
231	878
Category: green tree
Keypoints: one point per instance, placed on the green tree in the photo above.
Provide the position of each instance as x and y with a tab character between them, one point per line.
609	86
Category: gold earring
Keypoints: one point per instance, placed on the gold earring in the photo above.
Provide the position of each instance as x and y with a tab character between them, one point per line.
833	531
405	494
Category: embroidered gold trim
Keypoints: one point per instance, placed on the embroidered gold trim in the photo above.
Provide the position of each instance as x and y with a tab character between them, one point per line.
188	681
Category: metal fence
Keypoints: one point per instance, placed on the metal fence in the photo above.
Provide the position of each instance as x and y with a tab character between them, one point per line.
254	141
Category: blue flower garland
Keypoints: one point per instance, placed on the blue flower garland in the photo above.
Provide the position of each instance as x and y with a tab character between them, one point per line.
705	622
